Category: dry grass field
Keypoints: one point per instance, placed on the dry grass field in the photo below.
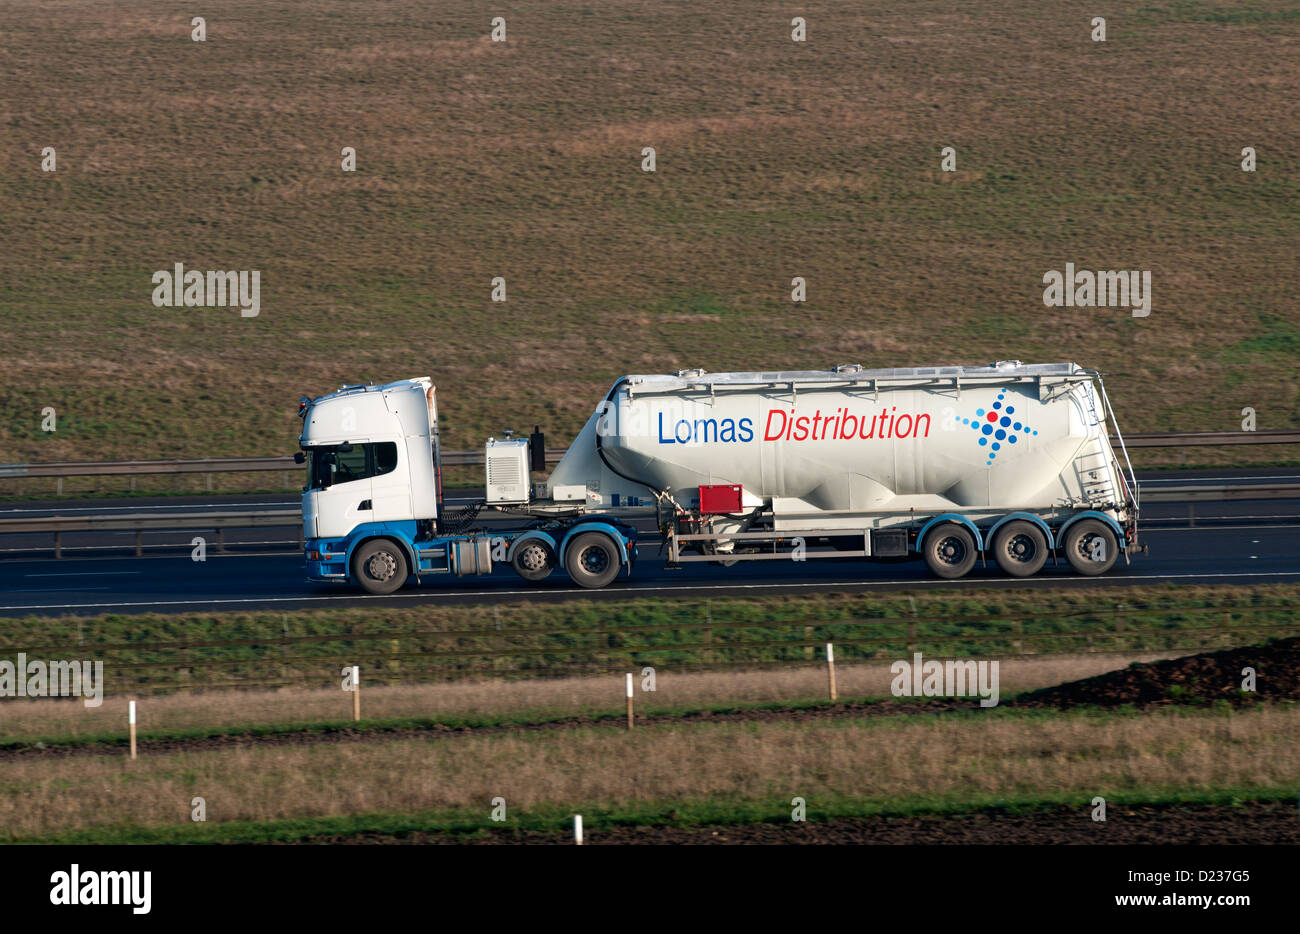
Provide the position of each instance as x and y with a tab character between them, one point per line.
522	159
893	759
490	699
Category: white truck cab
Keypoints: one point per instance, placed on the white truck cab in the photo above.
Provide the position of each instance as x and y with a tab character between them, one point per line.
372	456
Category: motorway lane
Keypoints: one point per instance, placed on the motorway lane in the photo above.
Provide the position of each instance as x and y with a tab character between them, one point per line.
1242	553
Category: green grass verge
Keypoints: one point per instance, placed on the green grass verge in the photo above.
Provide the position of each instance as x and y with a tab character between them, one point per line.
156	653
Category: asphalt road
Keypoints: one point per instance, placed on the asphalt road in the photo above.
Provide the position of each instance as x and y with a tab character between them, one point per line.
1243	542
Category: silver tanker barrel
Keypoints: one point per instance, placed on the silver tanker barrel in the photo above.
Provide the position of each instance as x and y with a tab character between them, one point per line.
1001	437
855	450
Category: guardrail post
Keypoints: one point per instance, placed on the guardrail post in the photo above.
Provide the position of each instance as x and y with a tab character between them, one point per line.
220	536
58	544
139	543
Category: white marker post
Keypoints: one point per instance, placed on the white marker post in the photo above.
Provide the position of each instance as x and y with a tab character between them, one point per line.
629	701
130	719
356	693
577	829
830	667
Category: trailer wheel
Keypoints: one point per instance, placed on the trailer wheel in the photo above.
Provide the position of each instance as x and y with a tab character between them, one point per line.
1091	547
380	567
950	551
1020	548
592	560
534	560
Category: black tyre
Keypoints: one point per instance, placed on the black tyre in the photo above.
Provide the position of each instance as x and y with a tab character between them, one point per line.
534	560
380	566
1020	548
949	551
1091	547
592	560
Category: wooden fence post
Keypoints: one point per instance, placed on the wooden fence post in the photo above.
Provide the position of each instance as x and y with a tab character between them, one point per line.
629	700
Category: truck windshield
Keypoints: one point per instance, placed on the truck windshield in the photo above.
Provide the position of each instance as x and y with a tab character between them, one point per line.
330	464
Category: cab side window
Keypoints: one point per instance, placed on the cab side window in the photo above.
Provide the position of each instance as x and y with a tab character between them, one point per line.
385	457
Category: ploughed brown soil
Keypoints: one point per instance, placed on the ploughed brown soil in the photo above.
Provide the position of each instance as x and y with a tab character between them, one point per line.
1272	822
1194	680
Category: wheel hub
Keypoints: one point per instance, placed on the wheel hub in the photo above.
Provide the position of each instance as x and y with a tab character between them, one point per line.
593	560
381	566
533	558
1021	548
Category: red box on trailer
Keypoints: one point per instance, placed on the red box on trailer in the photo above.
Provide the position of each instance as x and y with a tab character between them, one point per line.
720	497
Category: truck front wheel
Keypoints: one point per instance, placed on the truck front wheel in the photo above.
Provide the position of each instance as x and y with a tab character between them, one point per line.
534	560
950	551
592	560
380	567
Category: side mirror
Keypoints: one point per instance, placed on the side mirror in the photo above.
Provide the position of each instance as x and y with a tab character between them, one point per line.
299	458
345	447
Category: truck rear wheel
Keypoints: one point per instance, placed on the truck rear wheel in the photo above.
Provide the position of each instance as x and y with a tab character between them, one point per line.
1091	547
380	567
950	551
1020	548
534	560
592	560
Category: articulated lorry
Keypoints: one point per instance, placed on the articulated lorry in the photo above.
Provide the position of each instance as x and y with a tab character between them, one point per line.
1009	462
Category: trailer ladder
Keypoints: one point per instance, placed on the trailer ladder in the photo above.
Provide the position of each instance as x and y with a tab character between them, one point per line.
1095	478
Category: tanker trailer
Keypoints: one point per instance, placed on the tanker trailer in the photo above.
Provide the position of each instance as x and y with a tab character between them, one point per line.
1009	461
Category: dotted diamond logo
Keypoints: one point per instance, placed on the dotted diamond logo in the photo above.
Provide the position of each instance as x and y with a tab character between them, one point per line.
997	426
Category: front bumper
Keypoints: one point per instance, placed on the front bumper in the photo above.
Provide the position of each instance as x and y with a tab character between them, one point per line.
324	564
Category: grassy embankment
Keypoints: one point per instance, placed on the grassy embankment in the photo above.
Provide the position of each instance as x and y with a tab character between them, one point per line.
522	160
552	746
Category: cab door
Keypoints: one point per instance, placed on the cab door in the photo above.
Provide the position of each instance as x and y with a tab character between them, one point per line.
344	497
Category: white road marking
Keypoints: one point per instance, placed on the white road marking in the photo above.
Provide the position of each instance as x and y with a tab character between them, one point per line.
175	506
1216	528
1149	519
83	573
1194	480
56	590
670	589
